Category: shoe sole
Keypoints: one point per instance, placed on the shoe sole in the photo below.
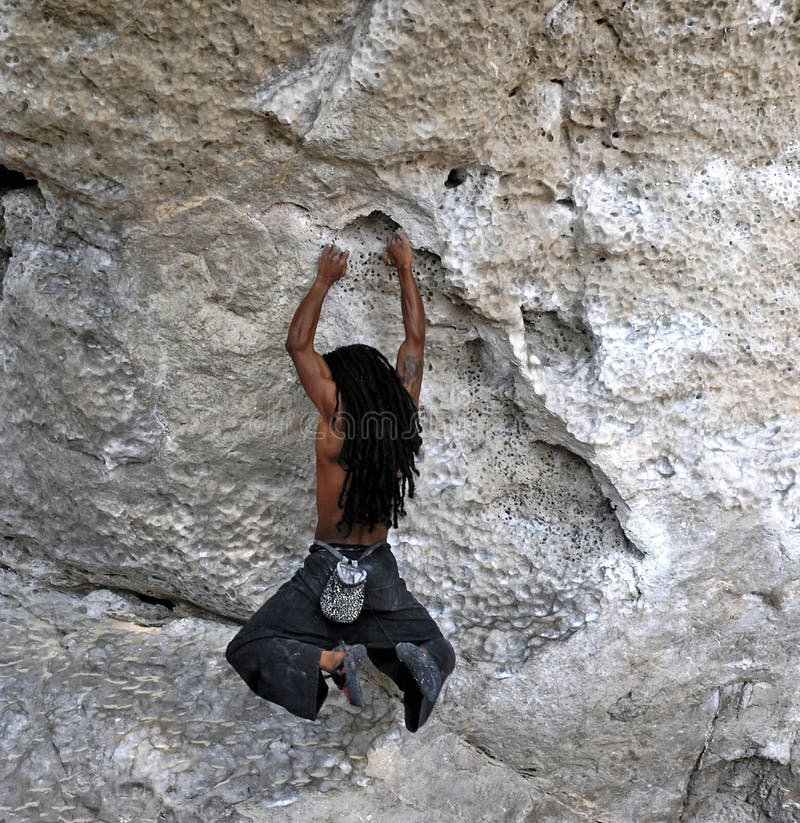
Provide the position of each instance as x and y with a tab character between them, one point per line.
423	669
352	687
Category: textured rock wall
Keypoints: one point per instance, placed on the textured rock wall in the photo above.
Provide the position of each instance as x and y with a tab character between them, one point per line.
604	202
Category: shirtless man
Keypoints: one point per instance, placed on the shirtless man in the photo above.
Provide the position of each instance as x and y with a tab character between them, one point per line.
363	474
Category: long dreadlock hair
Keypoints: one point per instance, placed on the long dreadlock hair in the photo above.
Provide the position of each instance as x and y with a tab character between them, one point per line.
382	436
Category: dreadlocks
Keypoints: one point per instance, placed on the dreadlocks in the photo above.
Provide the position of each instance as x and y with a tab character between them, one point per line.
381	436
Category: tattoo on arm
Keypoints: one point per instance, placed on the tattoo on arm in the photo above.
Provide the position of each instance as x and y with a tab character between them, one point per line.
411	369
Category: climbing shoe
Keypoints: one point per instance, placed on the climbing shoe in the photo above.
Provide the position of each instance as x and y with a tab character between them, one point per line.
346	675
423	669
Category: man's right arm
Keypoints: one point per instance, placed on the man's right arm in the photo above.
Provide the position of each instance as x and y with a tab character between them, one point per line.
313	371
410	357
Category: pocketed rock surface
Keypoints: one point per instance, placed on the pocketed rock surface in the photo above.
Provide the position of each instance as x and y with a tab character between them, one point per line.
603	201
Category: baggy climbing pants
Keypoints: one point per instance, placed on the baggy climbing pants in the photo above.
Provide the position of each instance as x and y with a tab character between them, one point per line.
277	651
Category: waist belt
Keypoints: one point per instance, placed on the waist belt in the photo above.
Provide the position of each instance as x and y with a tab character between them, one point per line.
339	556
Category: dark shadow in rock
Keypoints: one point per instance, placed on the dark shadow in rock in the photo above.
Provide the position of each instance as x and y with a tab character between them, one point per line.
9	180
457	176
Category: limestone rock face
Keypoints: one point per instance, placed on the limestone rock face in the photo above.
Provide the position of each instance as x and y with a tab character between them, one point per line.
603	199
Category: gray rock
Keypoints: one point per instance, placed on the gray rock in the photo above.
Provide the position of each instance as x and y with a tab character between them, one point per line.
110	714
602	198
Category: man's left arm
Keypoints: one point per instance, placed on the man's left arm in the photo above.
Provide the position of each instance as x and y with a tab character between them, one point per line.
313	371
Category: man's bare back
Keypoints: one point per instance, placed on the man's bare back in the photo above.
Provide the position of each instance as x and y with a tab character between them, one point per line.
330	478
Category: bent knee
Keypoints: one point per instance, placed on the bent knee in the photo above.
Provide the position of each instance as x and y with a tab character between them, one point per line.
232	651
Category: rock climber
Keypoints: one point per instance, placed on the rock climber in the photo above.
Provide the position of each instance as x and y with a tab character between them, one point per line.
368	436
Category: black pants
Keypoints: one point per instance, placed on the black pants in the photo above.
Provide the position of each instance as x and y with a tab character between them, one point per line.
277	651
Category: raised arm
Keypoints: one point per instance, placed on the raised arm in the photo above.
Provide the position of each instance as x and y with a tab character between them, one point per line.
313	371
410	357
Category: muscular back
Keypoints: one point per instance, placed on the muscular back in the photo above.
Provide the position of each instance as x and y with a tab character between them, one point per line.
330	478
